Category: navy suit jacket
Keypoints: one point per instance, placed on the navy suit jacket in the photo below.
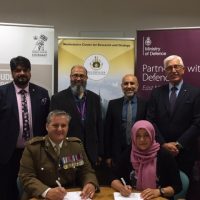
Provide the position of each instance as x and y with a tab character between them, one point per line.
114	134
9	116
183	125
93	137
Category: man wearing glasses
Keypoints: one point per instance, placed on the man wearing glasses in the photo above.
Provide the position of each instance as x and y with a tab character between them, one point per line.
174	109
84	108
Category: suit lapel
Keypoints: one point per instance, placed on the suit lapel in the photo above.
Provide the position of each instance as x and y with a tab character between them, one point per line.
181	97
12	97
89	107
165	98
49	149
120	110
34	105
72	104
139	105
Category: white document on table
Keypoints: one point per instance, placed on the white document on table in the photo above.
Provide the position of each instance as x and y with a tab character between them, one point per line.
74	196
133	196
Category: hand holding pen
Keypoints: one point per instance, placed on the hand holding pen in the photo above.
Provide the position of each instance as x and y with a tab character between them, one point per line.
126	189
60	186
56	193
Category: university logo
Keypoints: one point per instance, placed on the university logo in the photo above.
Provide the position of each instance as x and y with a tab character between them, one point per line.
39	48
96	63
97	67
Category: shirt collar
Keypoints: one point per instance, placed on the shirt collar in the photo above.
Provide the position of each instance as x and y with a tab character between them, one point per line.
54	144
18	89
177	86
133	99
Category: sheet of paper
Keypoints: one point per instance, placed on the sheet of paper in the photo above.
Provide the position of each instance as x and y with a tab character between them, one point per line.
133	196
73	196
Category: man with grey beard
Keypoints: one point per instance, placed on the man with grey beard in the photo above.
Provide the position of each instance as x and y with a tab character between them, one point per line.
85	109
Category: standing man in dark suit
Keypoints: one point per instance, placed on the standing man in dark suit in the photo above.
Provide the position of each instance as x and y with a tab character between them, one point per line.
117	137
17	123
175	111
84	107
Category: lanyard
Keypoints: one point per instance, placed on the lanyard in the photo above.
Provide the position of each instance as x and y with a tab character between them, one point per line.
81	110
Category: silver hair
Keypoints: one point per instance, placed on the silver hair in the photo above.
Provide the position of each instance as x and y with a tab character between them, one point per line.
170	58
57	113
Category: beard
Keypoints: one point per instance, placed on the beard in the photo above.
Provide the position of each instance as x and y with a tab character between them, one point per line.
78	89
21	81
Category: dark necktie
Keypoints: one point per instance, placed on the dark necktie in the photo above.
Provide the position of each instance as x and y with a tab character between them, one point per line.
129	122
25	116
172	98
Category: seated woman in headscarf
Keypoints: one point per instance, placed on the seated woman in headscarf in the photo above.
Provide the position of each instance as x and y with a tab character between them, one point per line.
146	166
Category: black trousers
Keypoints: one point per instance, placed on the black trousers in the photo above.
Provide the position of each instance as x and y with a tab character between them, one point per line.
186	160
8	174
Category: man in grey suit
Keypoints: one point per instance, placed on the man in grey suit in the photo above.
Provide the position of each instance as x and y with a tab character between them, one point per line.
17	123
174	109
85	109
117	137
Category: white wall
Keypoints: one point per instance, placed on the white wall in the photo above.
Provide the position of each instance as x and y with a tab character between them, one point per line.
101	17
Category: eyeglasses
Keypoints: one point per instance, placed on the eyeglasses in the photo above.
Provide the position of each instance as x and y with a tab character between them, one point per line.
169	68
81	76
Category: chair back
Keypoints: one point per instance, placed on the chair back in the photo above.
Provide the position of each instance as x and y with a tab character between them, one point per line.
185	185
20	188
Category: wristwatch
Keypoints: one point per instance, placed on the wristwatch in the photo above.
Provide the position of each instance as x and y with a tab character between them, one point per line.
162	192
179	146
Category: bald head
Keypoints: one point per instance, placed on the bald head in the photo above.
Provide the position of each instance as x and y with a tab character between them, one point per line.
129	85
78	68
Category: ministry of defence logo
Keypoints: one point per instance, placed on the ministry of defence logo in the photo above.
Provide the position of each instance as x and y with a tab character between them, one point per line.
39	48
148	41
97	67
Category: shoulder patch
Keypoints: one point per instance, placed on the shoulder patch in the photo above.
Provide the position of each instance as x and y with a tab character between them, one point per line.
73	139
36	139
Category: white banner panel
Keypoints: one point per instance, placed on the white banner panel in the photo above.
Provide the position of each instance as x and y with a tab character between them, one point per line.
31	41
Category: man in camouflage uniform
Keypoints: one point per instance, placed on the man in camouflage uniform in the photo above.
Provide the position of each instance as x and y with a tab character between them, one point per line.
42	166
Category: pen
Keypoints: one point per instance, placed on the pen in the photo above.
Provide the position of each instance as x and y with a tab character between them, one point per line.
58	183
123	181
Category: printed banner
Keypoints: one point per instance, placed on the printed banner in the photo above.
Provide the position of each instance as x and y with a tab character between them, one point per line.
155	45
34	42
106	61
